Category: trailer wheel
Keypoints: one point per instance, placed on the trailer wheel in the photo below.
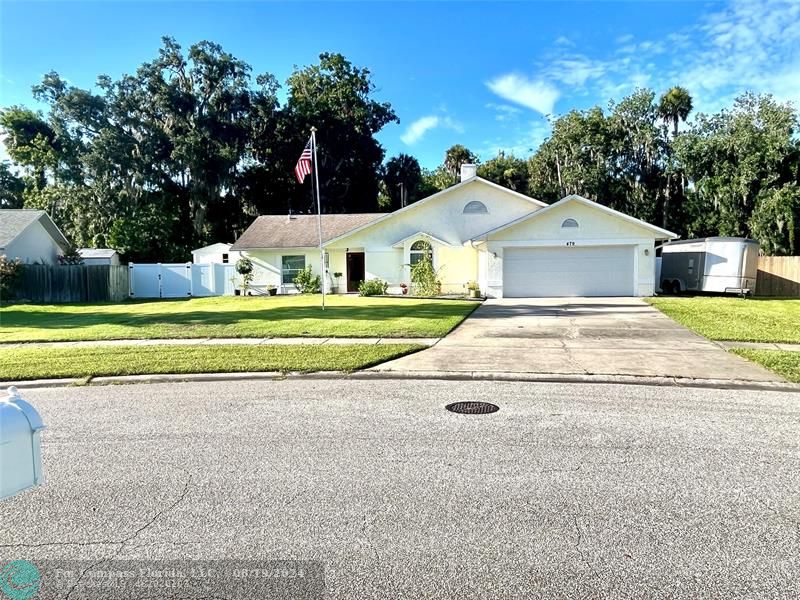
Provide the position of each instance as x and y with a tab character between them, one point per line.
676	287
666	287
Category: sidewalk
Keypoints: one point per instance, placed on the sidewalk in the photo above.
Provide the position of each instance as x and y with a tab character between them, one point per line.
759	346
313	341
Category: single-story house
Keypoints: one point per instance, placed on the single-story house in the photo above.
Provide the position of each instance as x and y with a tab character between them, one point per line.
476	230
99	256
31	236
219	254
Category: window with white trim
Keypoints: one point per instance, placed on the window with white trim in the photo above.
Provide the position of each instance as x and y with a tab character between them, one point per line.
419	249
224	259
569	223
475	207
290	266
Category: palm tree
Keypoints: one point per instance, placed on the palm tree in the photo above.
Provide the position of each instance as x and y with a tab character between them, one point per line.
403	178
675	106
455	157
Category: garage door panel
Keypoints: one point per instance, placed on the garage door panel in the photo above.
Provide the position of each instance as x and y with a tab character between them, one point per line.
570	271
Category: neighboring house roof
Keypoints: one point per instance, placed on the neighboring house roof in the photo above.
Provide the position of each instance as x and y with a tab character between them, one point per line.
13	221
420	235
219	246
299	231
661	233
452	188
96	252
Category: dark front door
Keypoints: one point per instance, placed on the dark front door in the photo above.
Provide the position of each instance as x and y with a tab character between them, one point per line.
355	270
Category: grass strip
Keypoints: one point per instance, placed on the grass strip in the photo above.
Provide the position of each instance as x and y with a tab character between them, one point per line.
784	363
233	317
735	319
45	363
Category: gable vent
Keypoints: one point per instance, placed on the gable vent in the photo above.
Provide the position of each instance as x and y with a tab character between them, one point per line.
475	207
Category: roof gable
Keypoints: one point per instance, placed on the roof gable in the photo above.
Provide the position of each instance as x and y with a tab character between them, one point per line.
219	246
658	231
422	235
15	221
535	204
96	252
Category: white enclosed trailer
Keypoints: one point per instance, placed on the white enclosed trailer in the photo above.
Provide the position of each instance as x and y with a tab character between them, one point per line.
715	264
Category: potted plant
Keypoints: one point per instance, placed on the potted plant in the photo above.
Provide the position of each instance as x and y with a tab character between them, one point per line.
335	286
272	290
236	290
473	290
404	289
244	267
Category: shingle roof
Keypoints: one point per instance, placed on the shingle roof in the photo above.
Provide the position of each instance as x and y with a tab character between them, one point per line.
13	221
279	231
96	252
217	246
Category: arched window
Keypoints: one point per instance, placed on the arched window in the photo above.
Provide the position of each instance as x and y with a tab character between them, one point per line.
475	208
569	223
419	249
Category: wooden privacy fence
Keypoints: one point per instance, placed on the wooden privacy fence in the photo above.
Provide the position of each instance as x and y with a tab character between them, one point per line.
72	283
778	276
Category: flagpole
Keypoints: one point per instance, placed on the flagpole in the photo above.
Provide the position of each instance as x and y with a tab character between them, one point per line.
319	215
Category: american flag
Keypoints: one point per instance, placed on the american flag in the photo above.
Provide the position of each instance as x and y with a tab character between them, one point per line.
303	166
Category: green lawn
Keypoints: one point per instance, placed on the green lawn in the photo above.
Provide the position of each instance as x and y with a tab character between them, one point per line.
735	319
233	316
51	362
785	364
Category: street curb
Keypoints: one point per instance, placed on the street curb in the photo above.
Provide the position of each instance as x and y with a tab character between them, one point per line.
685	382
736	384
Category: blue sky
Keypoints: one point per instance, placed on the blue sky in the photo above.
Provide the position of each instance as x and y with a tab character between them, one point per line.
486	75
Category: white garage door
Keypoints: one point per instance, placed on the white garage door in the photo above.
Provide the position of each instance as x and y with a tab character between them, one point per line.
568	271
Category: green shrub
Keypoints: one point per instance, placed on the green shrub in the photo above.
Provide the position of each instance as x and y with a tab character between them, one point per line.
372	287
71	257
9	273
425	279
307	282
244	266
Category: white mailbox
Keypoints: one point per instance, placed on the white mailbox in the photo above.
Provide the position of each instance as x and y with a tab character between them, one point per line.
20	445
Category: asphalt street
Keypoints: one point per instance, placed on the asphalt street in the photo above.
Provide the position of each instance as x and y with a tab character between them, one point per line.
569	491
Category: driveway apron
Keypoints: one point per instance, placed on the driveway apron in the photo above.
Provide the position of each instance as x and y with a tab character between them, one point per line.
586	336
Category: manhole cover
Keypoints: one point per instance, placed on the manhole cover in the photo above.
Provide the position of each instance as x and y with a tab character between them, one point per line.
472	408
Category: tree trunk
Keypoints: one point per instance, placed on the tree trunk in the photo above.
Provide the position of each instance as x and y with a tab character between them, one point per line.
558	171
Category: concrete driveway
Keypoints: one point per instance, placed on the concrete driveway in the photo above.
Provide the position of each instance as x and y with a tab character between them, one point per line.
586	336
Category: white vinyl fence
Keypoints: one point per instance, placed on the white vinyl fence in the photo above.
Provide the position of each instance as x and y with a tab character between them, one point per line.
181	280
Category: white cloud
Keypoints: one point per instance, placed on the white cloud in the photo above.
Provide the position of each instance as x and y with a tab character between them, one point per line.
525	142
417	130
748	45
539	95
744	45
739	46
504	112
576	69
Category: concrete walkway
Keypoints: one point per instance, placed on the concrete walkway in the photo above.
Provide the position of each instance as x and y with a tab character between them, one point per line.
313	341
585	336
760	346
